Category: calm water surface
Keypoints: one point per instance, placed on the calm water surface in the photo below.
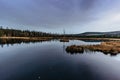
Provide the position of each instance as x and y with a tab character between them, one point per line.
50	61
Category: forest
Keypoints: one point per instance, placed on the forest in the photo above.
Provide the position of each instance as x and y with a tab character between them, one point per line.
22	33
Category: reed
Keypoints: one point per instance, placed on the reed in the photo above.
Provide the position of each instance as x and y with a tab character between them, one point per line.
111	47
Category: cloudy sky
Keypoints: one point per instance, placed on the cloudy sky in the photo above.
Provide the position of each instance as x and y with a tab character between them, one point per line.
75	16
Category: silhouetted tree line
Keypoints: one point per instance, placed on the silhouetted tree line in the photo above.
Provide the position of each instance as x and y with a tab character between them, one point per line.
26	33
22	33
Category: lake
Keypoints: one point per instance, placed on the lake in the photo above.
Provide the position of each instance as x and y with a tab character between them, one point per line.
49	61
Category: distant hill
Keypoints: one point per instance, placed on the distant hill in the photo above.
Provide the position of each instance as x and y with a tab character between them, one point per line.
101	34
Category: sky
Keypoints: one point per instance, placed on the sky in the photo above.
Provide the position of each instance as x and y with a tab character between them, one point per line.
75	16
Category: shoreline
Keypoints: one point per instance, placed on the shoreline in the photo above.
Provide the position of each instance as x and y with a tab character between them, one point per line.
110	47
23	37
107	39
66	38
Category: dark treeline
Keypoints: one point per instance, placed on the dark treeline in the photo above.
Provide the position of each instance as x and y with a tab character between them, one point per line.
22	33
26	33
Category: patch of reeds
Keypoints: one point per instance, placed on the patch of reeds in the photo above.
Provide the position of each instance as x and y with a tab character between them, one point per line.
111	47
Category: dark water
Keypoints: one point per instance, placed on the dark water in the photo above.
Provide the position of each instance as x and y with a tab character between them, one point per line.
50	61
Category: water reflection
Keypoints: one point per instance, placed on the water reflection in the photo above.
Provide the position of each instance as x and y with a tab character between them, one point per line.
11	42
89	51
18	41
49	61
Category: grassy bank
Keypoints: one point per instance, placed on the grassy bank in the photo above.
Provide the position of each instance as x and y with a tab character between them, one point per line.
110	47
28	38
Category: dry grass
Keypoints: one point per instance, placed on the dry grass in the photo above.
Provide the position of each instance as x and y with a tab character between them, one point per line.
111	47
29	38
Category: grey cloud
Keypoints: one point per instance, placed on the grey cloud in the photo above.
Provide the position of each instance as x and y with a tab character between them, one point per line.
51	14
45	13
87	4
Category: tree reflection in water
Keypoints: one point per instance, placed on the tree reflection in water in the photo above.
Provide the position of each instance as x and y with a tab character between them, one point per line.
18	41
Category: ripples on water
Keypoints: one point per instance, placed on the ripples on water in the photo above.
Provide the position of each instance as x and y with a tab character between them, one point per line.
49	61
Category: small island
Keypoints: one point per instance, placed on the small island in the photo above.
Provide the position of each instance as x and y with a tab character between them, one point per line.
110	47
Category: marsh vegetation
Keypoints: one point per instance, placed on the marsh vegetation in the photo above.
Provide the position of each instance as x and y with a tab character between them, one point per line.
110	47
